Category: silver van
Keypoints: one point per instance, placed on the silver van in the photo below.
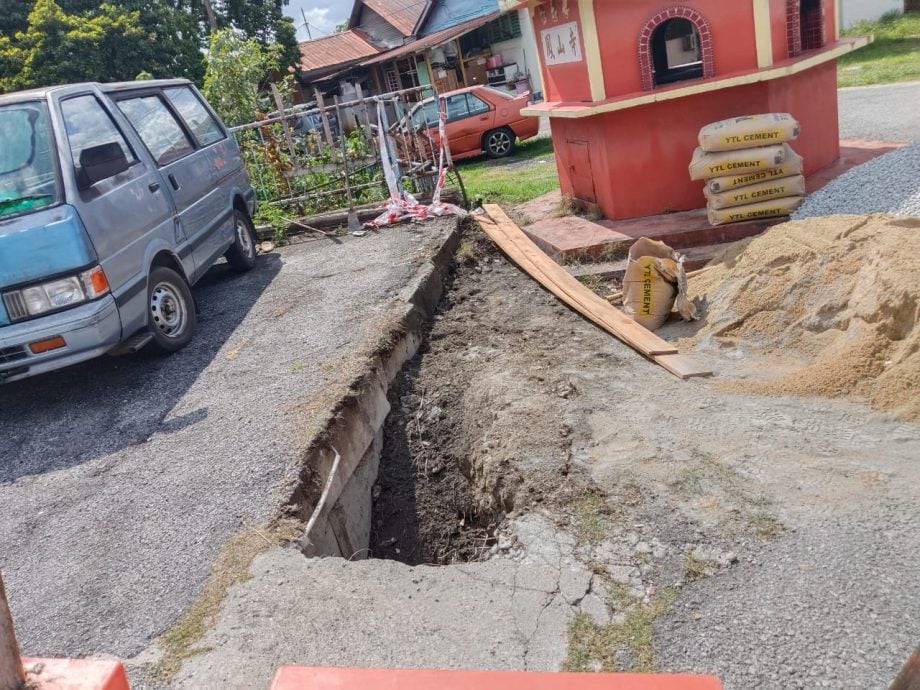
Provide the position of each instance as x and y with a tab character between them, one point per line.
114	200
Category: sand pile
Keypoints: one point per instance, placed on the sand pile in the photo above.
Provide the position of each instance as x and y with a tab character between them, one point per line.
841	292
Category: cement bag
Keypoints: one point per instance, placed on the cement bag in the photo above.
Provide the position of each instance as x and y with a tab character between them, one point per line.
654	279
748	131
755	193
706	165
793	165
764	209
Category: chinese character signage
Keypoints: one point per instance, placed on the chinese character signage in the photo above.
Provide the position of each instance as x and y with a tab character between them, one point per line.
561	44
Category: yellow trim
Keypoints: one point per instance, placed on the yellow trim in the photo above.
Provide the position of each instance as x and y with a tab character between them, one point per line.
592	50
838	5
577	110
763	33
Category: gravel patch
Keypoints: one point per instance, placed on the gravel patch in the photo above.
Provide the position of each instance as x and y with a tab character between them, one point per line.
887	184
121	478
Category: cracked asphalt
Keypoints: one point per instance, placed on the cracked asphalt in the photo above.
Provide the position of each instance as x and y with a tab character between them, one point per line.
121	478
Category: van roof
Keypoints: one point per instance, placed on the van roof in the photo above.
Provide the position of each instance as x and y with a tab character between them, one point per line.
43	92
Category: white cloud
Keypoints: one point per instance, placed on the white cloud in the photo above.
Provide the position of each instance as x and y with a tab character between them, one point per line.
323	18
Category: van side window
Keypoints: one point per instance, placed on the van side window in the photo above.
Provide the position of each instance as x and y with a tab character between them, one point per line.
196	116
157	128
87	125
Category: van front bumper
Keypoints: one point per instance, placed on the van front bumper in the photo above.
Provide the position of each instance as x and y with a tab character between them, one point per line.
88	331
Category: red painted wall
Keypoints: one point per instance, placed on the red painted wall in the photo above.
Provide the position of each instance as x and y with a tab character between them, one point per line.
620	23
569	81
638	158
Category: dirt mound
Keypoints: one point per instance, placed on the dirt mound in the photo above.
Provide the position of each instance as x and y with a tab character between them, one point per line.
840	292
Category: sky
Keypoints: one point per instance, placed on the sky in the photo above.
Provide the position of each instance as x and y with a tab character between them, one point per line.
323	16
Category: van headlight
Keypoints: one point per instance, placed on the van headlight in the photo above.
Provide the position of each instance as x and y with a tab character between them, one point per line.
56	294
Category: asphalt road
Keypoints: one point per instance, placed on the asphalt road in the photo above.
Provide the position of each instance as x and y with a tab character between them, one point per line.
121	478
885	113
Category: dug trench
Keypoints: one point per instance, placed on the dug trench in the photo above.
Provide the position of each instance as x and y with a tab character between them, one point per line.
531	494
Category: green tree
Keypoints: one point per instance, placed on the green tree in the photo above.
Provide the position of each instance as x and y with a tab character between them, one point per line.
262	20
235	69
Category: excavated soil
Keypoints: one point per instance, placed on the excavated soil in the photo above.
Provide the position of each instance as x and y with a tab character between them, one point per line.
836	299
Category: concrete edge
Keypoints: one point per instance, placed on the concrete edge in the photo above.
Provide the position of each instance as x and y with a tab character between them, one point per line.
356	420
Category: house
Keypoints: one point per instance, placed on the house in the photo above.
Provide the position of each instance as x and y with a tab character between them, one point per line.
391	45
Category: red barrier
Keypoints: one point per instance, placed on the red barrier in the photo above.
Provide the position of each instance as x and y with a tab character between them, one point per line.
306	678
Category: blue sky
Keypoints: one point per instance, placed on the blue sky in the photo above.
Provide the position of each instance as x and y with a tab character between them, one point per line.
322	16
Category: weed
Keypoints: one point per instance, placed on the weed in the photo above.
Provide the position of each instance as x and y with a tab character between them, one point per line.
231	566
569	206
764	524
297	367
593	212
592	518
596	646
466	250
696	568
593	282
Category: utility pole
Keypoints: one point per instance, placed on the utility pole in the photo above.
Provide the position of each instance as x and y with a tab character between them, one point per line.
12	676
306	23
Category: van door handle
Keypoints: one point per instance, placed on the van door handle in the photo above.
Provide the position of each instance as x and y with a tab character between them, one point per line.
173	182
154	187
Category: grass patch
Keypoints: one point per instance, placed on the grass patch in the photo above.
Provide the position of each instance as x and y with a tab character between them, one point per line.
696	568
764	524
528	173
893	57
626	646
592	518
232	566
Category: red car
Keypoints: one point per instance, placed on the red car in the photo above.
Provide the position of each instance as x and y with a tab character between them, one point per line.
479	118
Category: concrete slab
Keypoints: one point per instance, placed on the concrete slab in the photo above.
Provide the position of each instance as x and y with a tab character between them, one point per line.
502	614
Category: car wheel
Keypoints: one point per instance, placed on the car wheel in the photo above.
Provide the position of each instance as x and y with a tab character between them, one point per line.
242	253
171	317
499	142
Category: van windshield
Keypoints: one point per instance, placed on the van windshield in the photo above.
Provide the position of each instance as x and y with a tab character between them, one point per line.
28	180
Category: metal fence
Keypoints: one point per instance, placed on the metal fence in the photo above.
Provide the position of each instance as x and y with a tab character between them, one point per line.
325	156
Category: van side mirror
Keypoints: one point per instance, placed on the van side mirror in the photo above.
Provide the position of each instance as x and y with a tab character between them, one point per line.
100	163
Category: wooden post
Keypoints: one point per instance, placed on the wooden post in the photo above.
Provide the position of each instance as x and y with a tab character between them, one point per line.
367	120
344	145
320	103
279	103
12	675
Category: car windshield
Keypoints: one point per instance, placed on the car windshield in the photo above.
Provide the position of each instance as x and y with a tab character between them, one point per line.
425	114
27	172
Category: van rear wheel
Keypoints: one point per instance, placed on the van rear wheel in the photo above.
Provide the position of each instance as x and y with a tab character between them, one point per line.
242	253
171	317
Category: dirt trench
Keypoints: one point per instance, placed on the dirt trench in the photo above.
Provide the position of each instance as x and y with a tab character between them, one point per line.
463	426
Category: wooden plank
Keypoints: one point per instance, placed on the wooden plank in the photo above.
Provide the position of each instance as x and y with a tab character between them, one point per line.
682	366
558	281
511	239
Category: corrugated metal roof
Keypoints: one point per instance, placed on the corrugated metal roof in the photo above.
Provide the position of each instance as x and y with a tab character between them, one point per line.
337	49
432	40
402	14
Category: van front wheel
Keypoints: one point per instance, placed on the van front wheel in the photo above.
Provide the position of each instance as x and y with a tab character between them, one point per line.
171	316
242	253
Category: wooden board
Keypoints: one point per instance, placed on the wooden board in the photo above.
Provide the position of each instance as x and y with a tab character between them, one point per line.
511	239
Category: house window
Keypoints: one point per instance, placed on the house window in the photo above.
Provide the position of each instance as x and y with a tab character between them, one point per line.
674	45
676	52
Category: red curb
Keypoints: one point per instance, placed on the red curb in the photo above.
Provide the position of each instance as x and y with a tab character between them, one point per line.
75	674
303	678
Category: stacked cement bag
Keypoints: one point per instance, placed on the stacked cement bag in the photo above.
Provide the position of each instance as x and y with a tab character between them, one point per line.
750	170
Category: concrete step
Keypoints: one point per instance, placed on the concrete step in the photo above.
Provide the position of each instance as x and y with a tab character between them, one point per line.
577	238
697	257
